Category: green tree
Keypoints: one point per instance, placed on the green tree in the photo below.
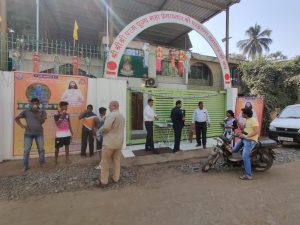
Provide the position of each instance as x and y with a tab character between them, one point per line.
272	80
237	56
257	42
276	56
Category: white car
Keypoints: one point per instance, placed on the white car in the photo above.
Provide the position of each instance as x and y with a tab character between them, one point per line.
286	127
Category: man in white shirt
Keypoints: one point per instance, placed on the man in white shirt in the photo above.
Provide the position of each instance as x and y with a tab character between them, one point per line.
149	117
202	121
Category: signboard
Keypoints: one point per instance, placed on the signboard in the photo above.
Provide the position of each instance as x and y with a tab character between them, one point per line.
254	103
155	18
133	64
50	89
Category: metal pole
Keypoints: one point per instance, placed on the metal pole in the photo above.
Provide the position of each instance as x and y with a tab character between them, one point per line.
227	34
111	23
107	25
37	24
74	46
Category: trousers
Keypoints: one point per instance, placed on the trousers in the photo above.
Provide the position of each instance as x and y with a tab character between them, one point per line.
107	156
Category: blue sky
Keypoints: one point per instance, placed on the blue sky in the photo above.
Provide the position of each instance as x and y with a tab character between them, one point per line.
280	16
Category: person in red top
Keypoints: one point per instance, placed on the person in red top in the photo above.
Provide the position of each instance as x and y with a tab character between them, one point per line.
64	130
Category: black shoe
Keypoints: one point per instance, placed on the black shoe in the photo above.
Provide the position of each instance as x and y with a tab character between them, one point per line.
147	149
198	145
204	146
155	151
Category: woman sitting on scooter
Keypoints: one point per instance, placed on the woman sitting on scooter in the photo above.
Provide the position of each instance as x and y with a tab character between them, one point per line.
230	124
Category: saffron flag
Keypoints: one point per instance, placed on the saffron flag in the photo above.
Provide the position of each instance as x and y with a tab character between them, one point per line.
75	31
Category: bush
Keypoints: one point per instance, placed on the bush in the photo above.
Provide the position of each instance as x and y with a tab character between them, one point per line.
272	81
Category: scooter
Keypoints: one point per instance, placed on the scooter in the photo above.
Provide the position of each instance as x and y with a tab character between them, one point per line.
262	155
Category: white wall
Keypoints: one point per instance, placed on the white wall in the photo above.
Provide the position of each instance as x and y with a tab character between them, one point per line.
6	114
231	96
92	94
112	90
100	92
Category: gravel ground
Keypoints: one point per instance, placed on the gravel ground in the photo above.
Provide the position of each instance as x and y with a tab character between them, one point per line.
283	155
83	177
56	180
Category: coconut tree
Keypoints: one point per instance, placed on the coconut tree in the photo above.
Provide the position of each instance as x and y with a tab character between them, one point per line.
257	42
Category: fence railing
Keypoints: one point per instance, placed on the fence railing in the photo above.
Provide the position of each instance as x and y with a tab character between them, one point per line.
17	44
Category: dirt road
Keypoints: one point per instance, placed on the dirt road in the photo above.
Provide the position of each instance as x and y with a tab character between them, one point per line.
164	195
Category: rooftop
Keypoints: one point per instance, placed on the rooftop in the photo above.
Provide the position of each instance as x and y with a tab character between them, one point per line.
57	18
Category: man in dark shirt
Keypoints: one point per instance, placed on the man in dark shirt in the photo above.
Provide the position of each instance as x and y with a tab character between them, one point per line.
34	117
87	130
178	123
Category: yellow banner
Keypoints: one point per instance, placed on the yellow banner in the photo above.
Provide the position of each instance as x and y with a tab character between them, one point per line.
50	89
75	31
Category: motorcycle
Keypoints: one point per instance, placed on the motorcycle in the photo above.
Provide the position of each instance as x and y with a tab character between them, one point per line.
262	155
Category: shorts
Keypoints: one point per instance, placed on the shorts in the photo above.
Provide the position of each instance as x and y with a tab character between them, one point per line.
61	141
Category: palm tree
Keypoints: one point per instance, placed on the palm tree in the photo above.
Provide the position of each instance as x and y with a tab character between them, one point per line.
257	41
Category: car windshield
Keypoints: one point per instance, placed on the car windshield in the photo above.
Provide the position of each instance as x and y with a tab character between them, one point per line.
290	112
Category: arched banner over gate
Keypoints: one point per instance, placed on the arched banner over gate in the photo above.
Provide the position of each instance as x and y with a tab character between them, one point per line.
155	18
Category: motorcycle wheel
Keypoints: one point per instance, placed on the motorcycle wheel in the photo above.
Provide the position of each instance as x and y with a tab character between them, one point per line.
266	160
209	163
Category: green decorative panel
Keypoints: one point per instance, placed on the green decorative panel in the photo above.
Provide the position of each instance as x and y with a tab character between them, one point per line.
164	101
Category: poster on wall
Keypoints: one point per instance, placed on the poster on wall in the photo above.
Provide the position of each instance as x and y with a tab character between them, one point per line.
254	103
50	89
133	64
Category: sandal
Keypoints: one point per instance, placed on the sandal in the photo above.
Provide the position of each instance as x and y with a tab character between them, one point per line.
245	177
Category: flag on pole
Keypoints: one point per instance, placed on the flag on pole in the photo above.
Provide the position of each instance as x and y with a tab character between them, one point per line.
75	31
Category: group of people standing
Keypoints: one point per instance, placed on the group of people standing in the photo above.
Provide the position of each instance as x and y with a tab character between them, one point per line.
108	130
200	120
109	133
247	122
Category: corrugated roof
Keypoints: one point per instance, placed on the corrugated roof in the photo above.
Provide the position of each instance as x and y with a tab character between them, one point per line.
57	18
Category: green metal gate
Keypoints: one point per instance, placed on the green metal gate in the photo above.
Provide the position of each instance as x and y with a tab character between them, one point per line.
164	101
